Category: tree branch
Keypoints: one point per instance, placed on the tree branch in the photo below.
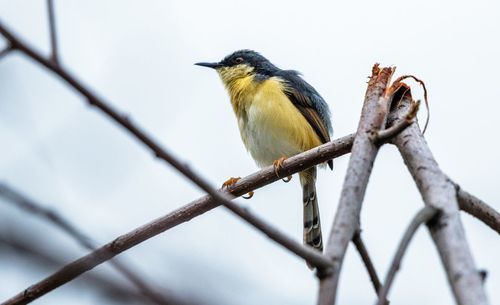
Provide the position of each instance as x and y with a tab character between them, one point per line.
423	216
478	208
54	55
447	231
363	252
53	217
363	154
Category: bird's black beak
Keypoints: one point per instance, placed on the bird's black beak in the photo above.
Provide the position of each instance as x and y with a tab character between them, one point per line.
213	65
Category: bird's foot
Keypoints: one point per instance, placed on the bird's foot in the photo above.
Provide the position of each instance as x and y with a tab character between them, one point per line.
278	164
231	181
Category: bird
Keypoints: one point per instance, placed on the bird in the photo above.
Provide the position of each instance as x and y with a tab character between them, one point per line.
279	115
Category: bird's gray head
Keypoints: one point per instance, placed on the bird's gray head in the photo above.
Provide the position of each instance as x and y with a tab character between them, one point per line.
242	63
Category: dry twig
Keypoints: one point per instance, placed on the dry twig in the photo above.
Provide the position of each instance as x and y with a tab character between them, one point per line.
370	268
477	208
426	100
423	216
396	128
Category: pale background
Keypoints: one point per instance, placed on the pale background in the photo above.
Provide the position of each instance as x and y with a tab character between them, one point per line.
139	55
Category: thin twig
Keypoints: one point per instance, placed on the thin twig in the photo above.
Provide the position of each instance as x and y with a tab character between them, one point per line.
439	192
423	216
400	125
426	100
364	151
363	252
54	54
53	217
478	208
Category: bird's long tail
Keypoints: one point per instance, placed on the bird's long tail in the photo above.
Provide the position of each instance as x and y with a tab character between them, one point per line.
312	224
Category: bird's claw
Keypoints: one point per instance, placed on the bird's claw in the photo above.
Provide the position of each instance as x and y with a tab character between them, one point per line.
231	181
278	164
249	195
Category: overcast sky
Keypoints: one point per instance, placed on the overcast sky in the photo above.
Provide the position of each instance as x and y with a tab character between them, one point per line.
139	56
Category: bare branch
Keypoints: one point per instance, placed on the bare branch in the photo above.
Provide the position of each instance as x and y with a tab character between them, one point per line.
447	231
363	252
423	216
477	208
53	217
364	151
54	55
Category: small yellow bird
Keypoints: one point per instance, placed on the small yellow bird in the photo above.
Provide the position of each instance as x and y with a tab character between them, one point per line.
279	115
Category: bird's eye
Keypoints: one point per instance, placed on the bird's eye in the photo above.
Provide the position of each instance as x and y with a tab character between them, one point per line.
238	60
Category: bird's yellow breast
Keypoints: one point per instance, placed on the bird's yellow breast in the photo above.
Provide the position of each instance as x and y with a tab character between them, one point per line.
270	125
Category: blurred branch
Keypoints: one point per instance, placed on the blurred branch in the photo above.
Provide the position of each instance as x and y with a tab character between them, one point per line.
48	260
54	55
27	204
423	216
23	202
439	192
478	208
364	151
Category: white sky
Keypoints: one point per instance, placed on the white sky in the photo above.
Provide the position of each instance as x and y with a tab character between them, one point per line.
139	55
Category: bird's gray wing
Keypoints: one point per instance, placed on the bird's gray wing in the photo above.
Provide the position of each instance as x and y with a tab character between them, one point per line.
309	103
